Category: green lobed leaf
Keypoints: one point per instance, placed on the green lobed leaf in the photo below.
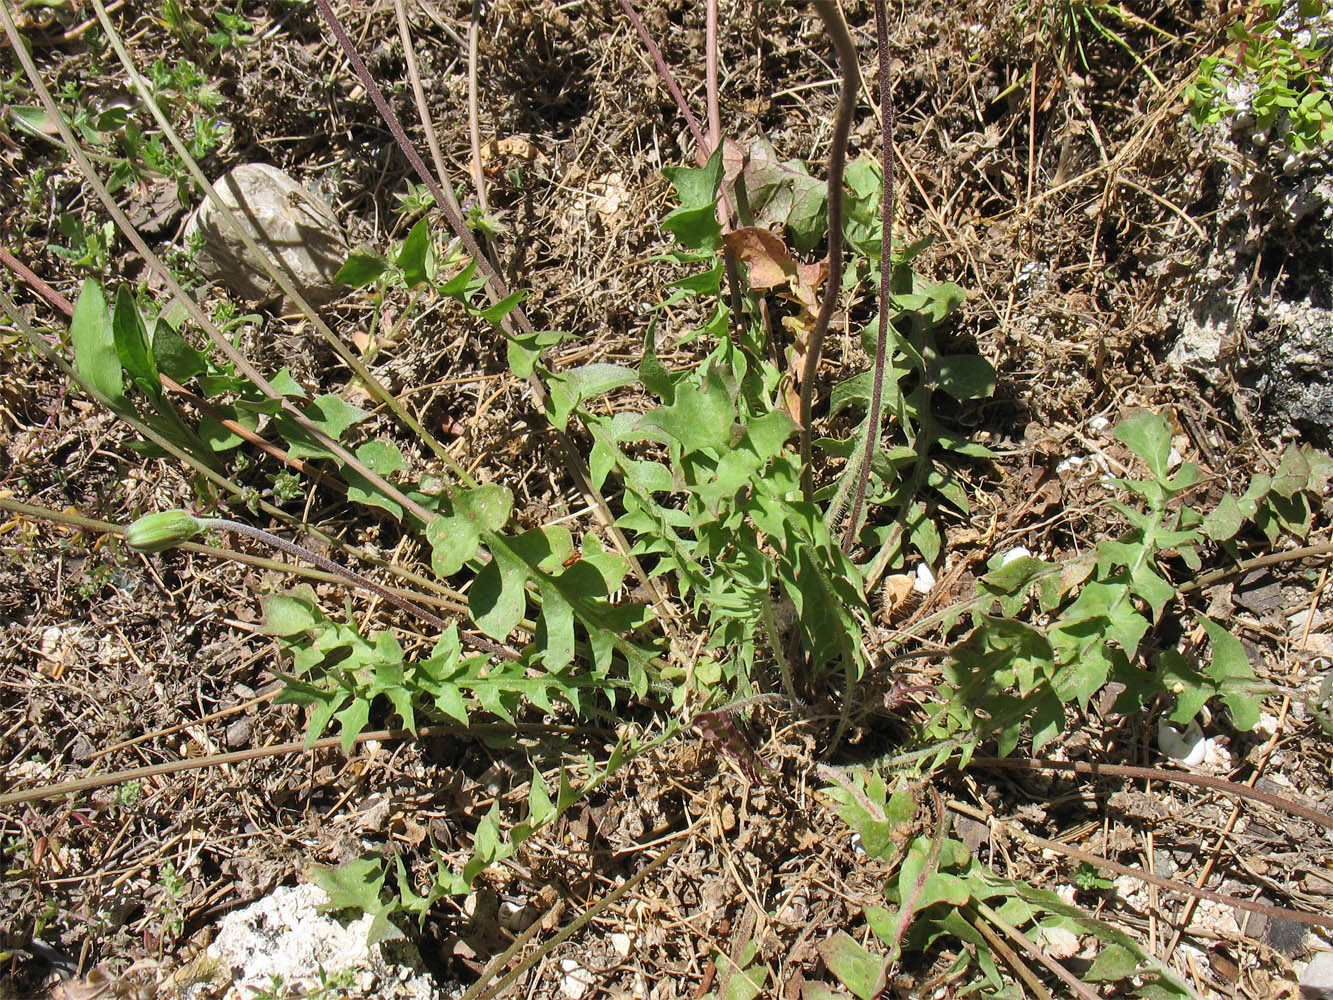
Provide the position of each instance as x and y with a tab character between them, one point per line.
652	373
1225	520
701	417
858	969
1149	437
1230	668
697	187
524	350
497	599
1112	962
495	314
695	223
965	376
571	389
382	458
329	413
1190	688
291	613
174	355
358	885
461	285
362	268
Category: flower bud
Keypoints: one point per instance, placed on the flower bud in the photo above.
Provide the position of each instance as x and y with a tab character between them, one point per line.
168	528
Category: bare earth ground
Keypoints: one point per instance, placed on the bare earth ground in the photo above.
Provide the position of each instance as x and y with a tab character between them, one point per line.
1072	210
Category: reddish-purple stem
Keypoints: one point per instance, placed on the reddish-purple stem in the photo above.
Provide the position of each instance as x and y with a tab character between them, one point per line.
456	221
836	26
885	272
710	77
668	78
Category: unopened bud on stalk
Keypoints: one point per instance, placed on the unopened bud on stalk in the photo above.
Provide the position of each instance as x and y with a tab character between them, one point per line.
168	528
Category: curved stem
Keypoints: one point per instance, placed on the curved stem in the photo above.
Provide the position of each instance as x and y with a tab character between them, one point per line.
836	26
885	274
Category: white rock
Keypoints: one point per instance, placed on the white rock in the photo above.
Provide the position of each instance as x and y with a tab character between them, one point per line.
1059	942
285	935
1017	552
622	943
925	579
576	980
1187	746
1316	978
295	230
1070	464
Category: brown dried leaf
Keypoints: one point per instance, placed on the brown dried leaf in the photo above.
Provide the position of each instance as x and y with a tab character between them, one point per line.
733	160
771	265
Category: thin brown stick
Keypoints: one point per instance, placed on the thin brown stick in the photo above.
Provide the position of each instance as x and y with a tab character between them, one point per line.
1021	969
1175	885
95	781
1158	774
1271	559
35	283
1071	981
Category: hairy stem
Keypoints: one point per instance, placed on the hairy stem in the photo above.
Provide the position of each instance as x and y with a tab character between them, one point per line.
836	26
885	274
473	109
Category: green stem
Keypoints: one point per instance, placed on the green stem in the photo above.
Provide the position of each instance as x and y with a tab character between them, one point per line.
351	576
885	274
